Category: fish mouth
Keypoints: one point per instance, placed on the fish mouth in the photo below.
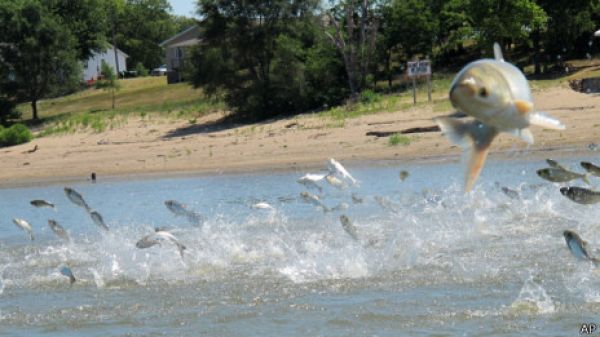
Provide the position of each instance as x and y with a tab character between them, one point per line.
564	191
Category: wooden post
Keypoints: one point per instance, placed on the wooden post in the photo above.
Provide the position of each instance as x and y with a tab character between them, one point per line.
429	88
414	90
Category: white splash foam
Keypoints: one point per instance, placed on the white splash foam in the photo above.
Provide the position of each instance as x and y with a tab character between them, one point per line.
533	299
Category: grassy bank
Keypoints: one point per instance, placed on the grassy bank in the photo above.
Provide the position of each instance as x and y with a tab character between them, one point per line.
151	96
143	97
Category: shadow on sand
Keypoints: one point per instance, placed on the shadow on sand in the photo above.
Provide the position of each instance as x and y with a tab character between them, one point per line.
222	124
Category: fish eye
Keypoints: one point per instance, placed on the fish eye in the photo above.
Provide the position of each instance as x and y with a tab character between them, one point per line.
483	92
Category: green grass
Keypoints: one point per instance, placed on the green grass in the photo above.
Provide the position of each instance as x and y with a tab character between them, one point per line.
398	139
144	97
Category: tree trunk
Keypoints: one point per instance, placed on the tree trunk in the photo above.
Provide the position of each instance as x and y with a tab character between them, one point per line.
113	98
114	42
388	70
536	51
34	108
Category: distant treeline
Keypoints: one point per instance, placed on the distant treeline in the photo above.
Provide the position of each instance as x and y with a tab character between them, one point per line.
287	56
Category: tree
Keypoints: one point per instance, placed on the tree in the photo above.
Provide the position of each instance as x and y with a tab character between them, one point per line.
142	25
85	19
255	53
355	28
38	53
569	28
408	29
506	22
109	81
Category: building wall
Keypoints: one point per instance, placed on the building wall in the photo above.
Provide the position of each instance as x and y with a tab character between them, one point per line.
92	68
174	55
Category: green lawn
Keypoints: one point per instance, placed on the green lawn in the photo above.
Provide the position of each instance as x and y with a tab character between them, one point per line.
91	108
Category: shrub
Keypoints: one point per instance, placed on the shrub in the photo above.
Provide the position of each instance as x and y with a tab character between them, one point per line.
8	111
369	96
140	69
16	134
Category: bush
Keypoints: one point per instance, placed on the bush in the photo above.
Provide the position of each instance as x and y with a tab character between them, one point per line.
8	111
16	134
369	96
140	69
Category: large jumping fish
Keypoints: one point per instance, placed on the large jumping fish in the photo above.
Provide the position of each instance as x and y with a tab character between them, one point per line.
497	95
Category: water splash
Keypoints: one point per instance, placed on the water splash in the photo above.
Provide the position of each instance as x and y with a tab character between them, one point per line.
533	299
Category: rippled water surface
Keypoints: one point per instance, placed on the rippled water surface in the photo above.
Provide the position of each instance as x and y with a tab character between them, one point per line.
430	260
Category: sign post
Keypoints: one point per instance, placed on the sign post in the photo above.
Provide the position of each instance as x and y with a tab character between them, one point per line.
417	69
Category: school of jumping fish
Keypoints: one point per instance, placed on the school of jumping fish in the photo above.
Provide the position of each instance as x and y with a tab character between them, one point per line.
493	93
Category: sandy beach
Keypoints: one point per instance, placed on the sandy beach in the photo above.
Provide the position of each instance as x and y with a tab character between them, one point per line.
155	146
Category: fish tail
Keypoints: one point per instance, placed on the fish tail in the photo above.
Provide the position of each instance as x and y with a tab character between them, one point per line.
474	137
586	178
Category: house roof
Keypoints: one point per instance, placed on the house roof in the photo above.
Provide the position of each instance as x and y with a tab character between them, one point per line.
188	37
110	46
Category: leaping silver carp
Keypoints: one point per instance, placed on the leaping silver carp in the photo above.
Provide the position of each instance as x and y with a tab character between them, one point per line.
578	247
97	218
76	198
335	182
497	95
349	227
310	180
581	195
561	175
313	199
66	271
24	225
591	168
158	236
336	167
58	230
181	210
41	203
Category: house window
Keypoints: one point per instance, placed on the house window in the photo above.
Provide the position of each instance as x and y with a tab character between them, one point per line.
179	53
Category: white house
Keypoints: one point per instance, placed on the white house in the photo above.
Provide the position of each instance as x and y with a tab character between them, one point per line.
93	66
177	52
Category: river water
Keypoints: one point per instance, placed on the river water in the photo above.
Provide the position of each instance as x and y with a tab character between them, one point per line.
429	259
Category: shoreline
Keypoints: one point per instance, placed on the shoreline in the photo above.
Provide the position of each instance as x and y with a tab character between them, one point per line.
158	147
539	154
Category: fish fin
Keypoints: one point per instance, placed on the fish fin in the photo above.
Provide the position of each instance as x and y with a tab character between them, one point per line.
473	136
546	121
458	114
498	52
595	261
523	107
523	134
555	164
